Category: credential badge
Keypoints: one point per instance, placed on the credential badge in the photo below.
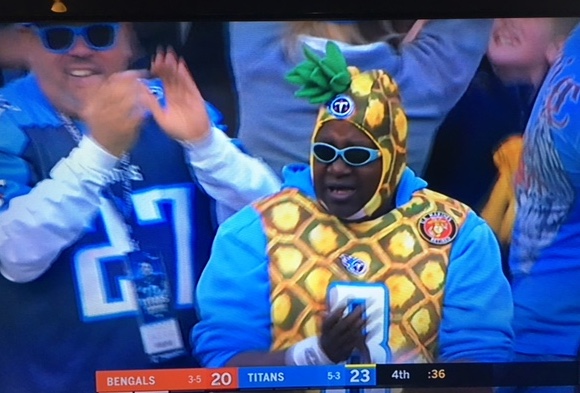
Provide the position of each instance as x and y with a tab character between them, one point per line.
341	106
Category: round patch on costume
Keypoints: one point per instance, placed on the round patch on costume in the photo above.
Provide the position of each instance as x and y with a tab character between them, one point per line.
438	228
341	106
354	265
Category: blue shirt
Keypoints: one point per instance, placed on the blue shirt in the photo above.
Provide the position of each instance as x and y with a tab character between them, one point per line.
234	304
79	316
546	238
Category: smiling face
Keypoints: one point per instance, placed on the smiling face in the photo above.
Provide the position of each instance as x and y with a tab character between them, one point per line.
520	49
342	188
69	79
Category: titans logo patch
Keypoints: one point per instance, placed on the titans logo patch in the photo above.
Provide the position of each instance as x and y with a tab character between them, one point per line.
438	228
353	265
341	107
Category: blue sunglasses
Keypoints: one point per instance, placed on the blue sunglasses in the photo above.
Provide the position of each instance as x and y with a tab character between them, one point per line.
60	39
353	155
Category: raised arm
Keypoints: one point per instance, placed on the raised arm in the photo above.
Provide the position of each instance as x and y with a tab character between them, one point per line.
439	64
233	178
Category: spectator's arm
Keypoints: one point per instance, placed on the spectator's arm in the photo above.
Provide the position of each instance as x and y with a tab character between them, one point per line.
37	223
233	294
234	179
440	63
477	304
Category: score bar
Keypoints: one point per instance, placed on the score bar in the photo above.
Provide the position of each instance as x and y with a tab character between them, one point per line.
237	378
341	376
190	379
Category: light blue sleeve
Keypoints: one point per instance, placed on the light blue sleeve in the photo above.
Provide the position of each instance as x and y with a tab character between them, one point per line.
248	37
233	293
477	305
435	69
15	172
54	212
230	176
433	72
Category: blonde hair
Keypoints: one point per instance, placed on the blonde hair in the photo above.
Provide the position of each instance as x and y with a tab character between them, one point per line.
353	33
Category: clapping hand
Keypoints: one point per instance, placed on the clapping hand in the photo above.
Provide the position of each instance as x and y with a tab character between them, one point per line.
341	334
184	116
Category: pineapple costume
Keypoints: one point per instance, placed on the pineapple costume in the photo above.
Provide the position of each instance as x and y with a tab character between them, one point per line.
428	272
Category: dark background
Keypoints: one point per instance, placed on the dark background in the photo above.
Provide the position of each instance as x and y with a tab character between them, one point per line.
155	10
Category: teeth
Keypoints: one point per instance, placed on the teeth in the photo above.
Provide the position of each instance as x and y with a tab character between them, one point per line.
341	189
81	73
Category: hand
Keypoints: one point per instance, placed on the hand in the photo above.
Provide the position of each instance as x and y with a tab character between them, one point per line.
115	113
342	334
184	117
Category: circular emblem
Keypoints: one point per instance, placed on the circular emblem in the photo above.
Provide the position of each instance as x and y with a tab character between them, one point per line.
353	264
341	106
438	228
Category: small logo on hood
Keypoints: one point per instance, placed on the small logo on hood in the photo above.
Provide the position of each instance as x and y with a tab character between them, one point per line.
341	106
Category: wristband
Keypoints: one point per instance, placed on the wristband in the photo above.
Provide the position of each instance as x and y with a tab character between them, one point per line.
307	353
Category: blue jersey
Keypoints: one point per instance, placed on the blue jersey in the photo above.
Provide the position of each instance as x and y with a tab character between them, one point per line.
546	238
81	314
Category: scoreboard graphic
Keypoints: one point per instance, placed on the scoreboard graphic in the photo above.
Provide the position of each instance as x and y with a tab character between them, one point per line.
349	376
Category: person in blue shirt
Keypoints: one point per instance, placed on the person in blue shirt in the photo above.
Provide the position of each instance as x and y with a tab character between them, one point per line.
433	69
101	170
354	260
546	234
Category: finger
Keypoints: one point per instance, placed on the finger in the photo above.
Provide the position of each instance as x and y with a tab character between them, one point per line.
334	316
186	80
352	321
171	51
347	328
353	316
159	61
350	340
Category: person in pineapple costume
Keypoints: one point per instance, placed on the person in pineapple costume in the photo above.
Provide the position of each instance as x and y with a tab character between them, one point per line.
354	260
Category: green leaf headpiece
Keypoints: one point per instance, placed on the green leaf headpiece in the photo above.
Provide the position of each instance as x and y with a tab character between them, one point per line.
321	78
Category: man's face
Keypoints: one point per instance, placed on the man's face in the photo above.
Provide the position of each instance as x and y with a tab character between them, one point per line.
146	269
345	189
521	45
70	78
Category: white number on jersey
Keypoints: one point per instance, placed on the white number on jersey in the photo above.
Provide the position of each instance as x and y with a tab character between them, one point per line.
103	288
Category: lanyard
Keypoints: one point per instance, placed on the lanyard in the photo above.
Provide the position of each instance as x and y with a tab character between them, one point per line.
124	203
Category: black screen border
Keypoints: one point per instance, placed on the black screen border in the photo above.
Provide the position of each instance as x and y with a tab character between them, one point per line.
184	10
